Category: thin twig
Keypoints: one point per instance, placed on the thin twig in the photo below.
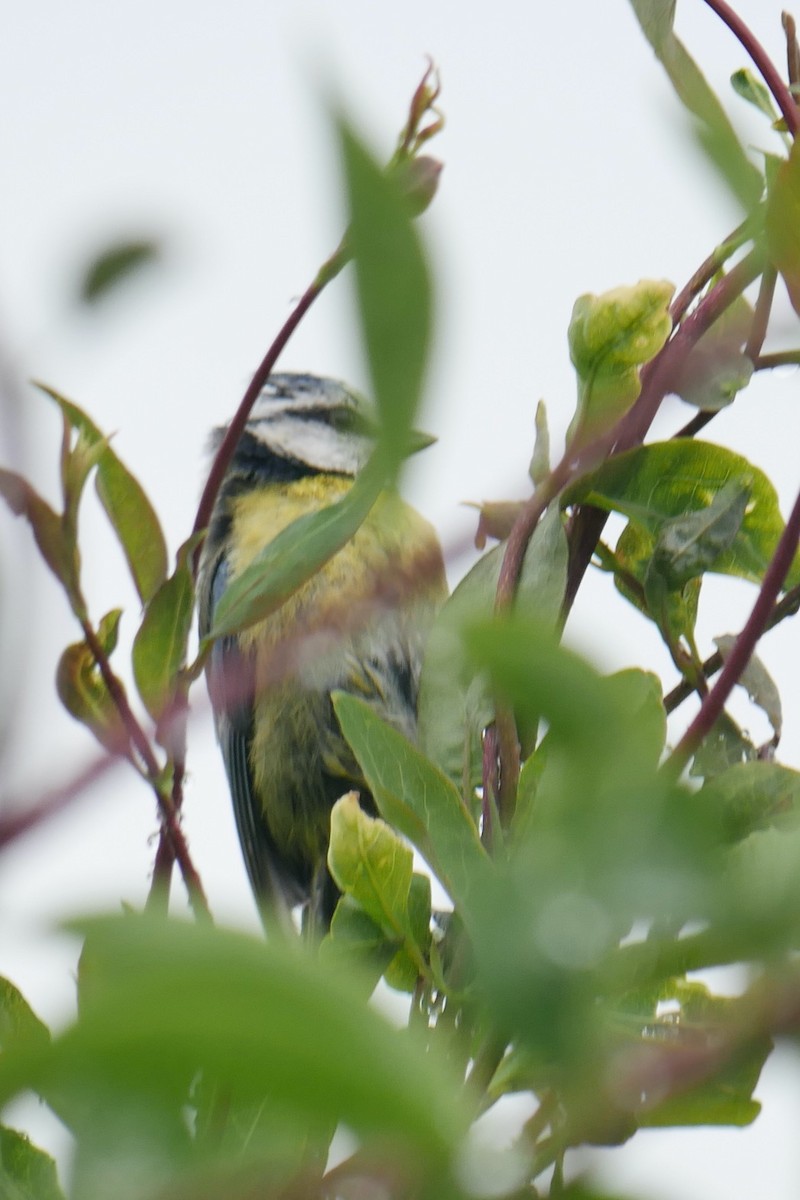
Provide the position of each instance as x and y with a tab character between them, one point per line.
737	660
787	606
234	431
781	94
708	269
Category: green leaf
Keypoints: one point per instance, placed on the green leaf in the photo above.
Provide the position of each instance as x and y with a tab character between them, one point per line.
372	864
689	1020
294	556
26	1173
716	132
723	747
266	1022
758	683
18	1022
655	483
610	338
394	294
783	221
116	264
688	546
415	797
159	647
751	89
455	703
539	467
83	692
715	369
25	501
354	939
752	796
131	514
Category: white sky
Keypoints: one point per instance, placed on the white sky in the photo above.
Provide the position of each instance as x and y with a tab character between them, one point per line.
568	169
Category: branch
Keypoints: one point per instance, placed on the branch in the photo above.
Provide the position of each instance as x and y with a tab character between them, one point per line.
781	94
787	606
756	624
234	431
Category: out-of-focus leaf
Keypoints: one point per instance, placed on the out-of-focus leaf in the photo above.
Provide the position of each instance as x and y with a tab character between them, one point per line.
266	1022
294	556
83	692
782	221
716	132
723	747
754	795
415	797
26	1172
25	501
610	338
455	702
681	1022
159	647
114	265
394	294
655	483
758	683
715	368
131	514
18	1021
372	864
355	938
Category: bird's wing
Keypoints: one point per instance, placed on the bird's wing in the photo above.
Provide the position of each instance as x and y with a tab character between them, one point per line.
231	696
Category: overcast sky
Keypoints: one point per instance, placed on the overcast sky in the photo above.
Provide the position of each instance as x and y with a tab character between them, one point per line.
569	168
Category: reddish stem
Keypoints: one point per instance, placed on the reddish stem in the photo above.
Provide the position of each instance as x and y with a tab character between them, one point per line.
236	427
745	644
782	95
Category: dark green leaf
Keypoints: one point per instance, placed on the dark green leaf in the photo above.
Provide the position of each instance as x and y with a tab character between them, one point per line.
26	1173
114	265
131	514
159	647
716	132
783	221
610	338
655	483
455	702
688	546
415	797
394	294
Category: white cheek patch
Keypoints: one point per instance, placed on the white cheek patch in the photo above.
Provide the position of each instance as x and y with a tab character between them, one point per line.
314	443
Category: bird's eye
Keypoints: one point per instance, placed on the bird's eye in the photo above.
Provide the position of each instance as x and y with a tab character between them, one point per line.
350	420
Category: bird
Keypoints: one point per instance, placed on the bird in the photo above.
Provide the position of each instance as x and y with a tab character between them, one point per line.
359	625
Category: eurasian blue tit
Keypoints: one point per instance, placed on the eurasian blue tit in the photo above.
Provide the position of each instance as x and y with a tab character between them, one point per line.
359	625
